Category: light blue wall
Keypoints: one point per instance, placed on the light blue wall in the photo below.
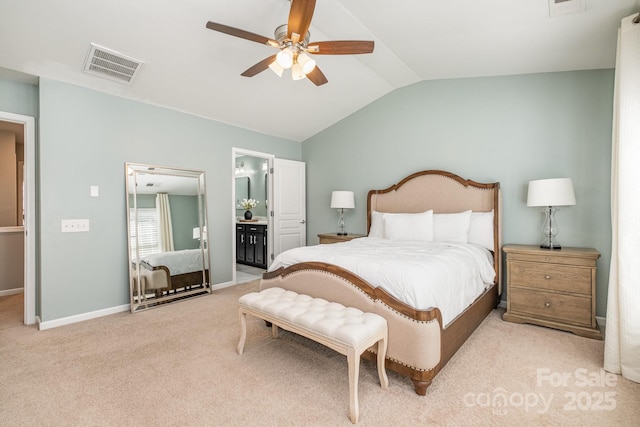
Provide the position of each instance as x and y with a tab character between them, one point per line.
18	98
510	129
85	139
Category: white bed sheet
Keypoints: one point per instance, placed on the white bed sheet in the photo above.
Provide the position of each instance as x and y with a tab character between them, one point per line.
423	275
178	262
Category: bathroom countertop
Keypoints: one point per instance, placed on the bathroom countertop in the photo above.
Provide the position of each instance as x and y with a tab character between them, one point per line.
258	222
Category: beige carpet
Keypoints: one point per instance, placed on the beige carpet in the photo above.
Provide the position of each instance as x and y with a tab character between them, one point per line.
177	366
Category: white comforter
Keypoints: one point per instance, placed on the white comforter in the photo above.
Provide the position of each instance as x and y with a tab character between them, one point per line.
423	275
178	262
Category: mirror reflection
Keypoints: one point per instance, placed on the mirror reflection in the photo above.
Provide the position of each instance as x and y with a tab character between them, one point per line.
168	250
251	183
243	190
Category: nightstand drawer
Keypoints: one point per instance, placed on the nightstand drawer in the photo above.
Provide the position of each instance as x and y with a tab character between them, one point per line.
551	258
565	308
562	278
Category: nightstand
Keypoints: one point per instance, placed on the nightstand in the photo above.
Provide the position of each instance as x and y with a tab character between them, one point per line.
335	238
553	288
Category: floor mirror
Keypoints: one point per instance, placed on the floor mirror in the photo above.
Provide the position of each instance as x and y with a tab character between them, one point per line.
168	250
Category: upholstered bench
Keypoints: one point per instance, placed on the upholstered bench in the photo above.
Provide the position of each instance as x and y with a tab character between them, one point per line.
347	330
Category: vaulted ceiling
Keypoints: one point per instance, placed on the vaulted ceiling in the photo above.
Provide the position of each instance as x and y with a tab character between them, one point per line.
190	68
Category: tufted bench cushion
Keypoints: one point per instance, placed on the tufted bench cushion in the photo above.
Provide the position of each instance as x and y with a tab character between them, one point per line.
346	330
347	325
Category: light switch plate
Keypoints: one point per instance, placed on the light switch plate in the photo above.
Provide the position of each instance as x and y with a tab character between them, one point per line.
74	225
95	191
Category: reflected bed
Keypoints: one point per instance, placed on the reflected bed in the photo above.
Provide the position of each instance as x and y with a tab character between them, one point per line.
171	271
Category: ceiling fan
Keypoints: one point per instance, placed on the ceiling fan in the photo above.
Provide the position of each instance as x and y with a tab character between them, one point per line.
292	39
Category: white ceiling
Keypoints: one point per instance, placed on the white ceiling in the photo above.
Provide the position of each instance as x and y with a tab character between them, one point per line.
196	70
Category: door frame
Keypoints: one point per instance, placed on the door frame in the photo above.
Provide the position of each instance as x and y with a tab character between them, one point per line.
239	152
29	129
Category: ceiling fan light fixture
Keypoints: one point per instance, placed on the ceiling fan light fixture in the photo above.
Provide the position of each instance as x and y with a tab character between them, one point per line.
292	46
285	58
306	63
296	72
276	68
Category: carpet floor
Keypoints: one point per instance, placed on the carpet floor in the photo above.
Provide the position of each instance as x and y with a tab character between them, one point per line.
176	365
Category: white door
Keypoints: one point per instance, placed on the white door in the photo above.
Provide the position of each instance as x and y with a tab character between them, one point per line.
289	212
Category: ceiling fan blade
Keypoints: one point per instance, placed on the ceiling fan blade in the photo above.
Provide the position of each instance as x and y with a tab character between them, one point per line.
236	32
317	77
300	16
343	47
259	67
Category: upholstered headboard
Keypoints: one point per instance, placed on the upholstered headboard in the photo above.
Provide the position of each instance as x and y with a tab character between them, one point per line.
444	192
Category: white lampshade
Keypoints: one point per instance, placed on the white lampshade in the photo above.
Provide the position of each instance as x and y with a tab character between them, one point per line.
551	192
196	233
285	58
306	63
296	72
276	68
342	200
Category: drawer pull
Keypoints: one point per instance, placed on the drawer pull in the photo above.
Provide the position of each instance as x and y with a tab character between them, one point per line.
547	277
547	304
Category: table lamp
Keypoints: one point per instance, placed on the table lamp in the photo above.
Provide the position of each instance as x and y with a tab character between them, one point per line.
549	193
342	200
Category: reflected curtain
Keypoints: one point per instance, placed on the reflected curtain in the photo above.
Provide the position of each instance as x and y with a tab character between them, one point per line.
622	339
165	231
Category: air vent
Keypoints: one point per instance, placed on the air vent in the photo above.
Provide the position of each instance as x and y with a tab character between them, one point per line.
566	7
111	65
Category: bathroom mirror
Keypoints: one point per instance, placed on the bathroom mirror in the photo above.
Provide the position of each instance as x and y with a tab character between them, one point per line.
168	249
243	190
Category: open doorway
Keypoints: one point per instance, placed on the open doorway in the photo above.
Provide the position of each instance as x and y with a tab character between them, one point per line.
20	143
251	214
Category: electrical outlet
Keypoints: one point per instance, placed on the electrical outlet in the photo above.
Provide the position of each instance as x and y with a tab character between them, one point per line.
74	225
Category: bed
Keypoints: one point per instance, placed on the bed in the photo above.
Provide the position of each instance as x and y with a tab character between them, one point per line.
420	341
171	271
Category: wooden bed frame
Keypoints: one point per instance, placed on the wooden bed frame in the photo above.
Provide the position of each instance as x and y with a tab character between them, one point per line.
159	278
419	346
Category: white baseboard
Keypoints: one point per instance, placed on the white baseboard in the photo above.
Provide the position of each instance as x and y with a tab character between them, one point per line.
13	291
104	312
222	285
81	317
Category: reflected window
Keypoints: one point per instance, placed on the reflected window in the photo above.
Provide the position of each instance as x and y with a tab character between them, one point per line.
149	239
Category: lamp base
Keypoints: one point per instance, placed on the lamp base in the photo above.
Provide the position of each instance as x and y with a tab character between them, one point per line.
550	230
554	247
342	233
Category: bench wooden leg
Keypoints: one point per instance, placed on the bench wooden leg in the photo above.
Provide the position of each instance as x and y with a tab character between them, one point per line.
353	361
243	331
382	372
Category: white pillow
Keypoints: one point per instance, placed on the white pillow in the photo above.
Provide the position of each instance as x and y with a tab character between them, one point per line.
451	227
481	229
409	226
377	225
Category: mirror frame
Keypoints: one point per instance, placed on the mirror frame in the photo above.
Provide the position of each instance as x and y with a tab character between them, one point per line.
133	171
